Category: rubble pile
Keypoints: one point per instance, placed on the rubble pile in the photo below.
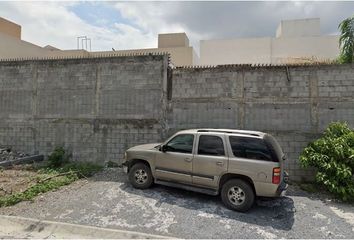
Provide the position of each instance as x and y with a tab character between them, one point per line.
7	154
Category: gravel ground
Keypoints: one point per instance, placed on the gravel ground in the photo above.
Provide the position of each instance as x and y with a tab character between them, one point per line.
107	200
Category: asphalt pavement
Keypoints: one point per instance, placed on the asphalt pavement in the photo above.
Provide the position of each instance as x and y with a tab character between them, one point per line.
107	200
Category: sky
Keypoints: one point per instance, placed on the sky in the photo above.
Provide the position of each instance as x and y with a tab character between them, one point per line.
131	25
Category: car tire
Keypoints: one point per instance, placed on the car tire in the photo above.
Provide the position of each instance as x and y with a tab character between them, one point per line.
237	195
140	176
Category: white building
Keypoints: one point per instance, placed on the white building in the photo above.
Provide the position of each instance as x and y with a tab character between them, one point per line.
296	41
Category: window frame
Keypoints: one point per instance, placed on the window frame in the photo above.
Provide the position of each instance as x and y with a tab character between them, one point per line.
269	149
211	135
175	136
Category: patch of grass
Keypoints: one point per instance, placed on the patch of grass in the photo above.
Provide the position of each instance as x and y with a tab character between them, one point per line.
34	190
84	169
49	179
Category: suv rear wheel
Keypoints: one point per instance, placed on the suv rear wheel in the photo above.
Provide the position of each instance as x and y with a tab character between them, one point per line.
140	176
237	195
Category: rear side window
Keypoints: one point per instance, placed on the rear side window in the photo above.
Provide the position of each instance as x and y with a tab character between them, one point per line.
252	148
211	145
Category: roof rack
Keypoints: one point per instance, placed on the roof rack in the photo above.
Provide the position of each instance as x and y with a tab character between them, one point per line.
228	131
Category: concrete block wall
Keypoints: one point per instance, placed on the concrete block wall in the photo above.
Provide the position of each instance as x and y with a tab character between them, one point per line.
96	107
99	107
293	103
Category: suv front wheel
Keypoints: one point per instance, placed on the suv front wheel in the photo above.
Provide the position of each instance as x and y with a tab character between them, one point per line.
237	195
140	176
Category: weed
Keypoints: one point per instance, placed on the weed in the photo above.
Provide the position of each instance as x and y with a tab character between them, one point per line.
58	158
57	173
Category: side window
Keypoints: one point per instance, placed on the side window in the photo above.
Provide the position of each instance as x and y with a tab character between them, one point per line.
211	145
182	143
251	148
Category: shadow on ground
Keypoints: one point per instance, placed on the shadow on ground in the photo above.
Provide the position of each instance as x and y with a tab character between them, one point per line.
277	213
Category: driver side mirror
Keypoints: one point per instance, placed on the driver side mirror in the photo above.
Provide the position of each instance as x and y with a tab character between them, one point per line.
163	148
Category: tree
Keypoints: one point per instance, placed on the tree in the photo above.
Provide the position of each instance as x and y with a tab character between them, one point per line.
346	40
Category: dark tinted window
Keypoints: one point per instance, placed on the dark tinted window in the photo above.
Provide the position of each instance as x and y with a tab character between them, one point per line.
274	146
181	143
252	148
211	145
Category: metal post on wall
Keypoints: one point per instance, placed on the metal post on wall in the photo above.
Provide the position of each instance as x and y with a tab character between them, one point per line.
78	41
89	40
85	43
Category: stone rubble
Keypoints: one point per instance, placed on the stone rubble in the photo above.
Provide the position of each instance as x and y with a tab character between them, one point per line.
7	154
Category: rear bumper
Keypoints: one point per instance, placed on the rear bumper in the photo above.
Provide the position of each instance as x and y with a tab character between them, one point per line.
281	191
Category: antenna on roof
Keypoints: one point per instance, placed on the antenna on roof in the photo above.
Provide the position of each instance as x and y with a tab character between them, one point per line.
84	41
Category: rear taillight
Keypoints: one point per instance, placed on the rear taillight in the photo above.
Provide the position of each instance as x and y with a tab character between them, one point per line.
276	175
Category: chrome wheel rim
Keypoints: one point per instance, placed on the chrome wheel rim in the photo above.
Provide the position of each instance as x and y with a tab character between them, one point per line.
140	176
236	196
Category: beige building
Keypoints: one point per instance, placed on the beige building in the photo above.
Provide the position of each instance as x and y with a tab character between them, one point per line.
177	44
12	46
296	41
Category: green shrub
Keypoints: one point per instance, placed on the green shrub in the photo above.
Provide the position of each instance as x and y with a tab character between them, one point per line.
58	158
333	157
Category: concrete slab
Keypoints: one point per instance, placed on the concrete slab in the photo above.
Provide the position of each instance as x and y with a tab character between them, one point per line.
20	227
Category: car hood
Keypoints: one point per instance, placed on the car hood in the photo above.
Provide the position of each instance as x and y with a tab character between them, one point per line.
149	146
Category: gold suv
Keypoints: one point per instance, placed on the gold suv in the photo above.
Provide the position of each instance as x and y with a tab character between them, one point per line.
237	164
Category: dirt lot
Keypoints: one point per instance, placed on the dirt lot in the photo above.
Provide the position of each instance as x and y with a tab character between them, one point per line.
108	200
17	179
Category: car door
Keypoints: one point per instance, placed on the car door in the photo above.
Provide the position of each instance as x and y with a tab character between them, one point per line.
210	160
175	163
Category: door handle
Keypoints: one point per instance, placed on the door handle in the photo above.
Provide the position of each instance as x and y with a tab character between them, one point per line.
188	159
220	163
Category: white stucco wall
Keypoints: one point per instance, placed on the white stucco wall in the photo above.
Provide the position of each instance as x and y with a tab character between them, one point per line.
268	50
299	28
297	41
235	51
303	48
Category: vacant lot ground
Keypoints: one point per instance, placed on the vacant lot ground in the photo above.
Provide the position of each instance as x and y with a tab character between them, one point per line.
107	200
17	179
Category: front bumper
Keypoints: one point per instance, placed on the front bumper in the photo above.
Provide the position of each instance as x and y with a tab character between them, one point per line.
124	166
